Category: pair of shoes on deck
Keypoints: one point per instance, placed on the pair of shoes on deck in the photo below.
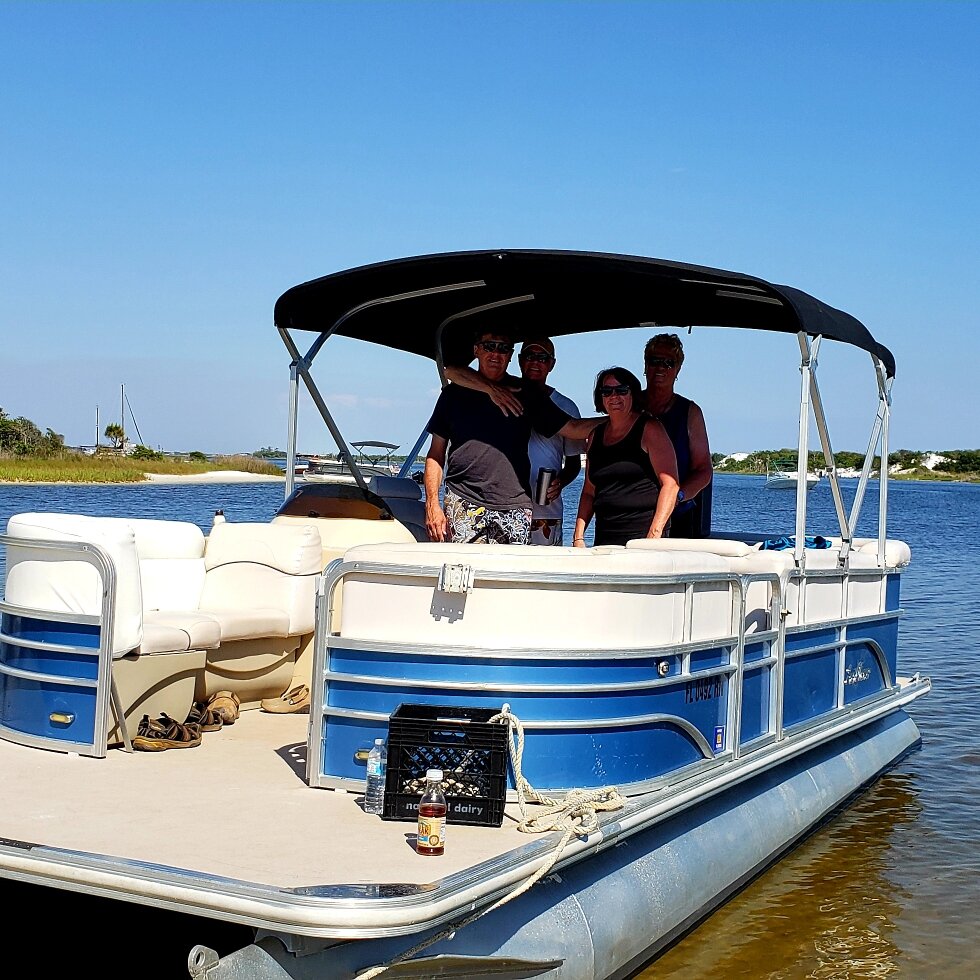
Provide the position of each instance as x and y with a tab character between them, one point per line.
159	734
293	701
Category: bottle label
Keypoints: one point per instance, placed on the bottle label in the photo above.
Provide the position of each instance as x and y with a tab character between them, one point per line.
374	766
432	831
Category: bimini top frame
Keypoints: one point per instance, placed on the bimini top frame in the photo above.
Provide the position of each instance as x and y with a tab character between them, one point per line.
431	304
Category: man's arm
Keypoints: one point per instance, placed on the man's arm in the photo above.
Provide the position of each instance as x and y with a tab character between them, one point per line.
663	459
435	462
580	428
701	471
501	392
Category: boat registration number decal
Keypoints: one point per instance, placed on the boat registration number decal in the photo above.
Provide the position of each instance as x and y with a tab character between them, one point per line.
702	690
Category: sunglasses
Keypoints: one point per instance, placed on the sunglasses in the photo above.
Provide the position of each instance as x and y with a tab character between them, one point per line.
664	362
496	346
607	390
540	356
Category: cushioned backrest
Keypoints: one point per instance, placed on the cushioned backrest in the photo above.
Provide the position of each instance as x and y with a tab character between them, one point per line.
171	555
714	546
337	534
263	566
897	553
51	580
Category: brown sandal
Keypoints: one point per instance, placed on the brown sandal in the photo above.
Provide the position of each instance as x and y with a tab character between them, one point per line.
207	718
226	705
159	734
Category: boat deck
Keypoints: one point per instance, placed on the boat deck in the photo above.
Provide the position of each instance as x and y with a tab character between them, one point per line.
230	829
237	805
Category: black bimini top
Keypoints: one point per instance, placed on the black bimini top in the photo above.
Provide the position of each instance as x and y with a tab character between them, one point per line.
407	303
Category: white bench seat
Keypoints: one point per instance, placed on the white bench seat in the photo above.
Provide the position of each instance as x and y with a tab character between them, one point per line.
166	631
190	616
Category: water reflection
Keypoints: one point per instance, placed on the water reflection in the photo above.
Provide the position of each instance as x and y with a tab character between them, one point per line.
828	909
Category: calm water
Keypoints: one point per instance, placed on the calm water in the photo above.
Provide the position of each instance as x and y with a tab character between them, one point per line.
889	887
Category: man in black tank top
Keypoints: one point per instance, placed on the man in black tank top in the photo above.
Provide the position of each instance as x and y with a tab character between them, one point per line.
684	422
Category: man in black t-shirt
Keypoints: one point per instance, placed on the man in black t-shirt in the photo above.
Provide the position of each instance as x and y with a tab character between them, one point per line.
482	454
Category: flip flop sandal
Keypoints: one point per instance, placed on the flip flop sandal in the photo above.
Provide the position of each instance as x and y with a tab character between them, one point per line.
294	700
206	718
226	705
160	734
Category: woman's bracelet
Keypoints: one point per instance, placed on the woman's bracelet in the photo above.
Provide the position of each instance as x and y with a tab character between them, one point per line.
577	539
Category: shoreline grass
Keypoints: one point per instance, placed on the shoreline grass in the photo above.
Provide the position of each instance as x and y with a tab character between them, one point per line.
120	469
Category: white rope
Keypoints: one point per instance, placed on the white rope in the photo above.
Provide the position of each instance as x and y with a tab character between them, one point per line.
576	815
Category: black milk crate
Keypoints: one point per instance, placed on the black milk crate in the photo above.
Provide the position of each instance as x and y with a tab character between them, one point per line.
471	752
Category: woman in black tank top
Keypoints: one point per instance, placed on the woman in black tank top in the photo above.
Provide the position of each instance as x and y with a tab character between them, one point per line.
630	471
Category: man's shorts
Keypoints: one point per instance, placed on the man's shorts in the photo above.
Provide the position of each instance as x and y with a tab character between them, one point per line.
545	530
476	524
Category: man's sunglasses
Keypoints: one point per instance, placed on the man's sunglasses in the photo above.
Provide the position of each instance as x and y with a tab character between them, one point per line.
607	390
664	362
539	356
496	346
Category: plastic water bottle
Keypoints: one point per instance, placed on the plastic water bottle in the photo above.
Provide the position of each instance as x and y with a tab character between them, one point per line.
432	816
374	793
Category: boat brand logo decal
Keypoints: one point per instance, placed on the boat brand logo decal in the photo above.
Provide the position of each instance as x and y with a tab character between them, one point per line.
702	690
856	674
719	737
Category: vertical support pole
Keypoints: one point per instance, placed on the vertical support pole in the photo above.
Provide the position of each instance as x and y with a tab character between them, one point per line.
808	358
883	474
736	683
292	425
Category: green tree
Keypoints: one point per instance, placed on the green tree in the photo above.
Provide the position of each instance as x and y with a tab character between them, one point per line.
116	433
144	452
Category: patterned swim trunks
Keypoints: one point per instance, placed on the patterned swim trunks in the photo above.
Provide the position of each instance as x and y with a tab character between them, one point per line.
475	524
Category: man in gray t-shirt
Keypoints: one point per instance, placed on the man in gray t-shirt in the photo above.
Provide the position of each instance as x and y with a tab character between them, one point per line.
482	453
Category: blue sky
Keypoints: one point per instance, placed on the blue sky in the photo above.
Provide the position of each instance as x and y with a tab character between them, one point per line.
167	170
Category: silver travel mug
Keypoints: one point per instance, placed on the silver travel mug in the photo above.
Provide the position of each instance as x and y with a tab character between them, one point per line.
544	481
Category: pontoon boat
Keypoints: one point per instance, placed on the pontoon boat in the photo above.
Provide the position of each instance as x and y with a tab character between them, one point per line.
372	458
710	701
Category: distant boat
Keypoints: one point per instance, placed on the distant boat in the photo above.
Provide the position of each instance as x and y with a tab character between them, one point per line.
779	476
373	459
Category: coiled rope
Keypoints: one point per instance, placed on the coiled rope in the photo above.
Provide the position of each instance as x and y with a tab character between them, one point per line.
576	814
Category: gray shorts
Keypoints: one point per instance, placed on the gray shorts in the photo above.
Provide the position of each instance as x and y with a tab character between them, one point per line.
546	530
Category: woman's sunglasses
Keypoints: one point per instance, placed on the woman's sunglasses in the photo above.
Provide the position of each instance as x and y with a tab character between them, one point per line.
664	362
607	390
538	356
496	346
